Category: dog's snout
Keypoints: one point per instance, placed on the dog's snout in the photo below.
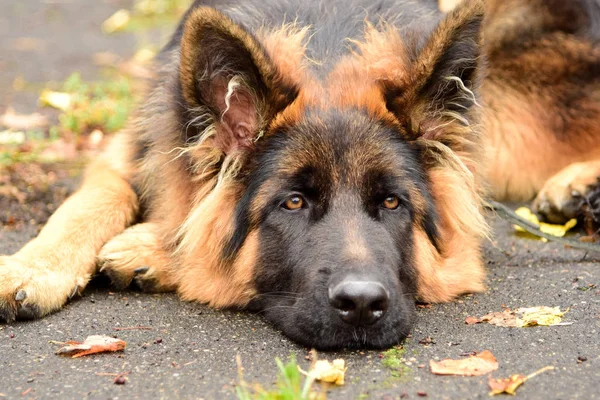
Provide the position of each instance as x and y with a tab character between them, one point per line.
359	302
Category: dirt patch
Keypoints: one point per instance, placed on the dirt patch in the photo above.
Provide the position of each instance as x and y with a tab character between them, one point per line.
30	193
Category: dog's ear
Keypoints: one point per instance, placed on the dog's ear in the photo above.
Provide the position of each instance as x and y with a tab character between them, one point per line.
440	86
228	81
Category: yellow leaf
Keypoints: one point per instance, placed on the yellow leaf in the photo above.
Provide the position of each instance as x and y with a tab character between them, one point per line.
59	100
329	372
116	22
508	385
546	316
550	229
144	55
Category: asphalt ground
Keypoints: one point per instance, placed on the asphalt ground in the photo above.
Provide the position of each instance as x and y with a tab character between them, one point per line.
189	350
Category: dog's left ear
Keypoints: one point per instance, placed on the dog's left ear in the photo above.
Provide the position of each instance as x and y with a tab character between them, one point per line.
226	73
441	84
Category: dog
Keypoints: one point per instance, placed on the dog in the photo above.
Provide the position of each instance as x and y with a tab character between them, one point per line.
325	163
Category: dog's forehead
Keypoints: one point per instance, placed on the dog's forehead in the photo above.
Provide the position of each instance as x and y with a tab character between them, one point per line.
337	149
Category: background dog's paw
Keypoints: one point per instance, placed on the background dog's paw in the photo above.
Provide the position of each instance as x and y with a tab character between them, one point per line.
134	257
29	290
564	195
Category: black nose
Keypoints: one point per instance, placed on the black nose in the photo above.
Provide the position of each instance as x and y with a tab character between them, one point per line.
359	302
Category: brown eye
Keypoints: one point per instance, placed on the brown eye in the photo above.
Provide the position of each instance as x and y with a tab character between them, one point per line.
294	203
391	202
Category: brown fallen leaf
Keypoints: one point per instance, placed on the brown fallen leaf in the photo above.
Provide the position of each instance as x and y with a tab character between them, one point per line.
472	320
12	120
93	344
510	385
480	364
506	318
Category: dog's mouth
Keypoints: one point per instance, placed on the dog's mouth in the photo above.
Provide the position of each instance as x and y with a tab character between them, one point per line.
313	324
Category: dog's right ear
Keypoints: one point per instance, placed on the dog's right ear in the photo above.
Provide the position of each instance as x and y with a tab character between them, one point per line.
227	75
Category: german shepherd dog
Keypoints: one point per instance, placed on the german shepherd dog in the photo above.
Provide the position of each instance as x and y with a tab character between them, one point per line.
324	162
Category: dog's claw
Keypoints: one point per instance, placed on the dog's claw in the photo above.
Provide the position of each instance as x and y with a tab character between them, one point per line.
21	295
141	270
74	292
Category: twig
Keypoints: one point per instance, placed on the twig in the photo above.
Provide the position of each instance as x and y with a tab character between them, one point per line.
133	328
536	373
509	215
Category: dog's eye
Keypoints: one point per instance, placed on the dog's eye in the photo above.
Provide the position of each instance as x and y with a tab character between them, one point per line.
391	202
294	202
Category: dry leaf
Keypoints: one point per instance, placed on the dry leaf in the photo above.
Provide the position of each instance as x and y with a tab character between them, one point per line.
480	364
93	344
550	229
59	100
325	371
116	22
506	318
12	120
472	320
510	385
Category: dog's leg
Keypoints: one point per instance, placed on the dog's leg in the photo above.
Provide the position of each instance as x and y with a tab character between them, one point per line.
564	194
136	256
57	264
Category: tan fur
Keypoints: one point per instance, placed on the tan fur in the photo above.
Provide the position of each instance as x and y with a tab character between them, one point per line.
522	152
202	274
287	47
137	247
458	268
355	245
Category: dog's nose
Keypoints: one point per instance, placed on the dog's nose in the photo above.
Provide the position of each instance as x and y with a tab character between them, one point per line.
359	302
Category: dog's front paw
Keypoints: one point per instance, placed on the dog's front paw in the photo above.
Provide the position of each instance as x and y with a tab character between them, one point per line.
564	195
29	289
135	257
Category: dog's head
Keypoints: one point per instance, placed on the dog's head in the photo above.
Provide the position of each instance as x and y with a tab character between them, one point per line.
330	204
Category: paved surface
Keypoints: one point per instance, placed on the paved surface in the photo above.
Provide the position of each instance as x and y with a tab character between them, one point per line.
190	350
